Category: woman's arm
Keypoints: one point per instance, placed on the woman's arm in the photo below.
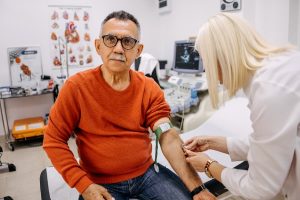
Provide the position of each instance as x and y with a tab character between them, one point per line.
271	147
275	117
203	143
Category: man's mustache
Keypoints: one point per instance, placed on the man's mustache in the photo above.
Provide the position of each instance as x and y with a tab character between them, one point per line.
118	57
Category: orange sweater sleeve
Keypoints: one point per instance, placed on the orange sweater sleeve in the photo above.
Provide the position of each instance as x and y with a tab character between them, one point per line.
158	107
64	117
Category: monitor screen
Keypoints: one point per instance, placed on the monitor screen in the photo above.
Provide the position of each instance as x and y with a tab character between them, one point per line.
186	58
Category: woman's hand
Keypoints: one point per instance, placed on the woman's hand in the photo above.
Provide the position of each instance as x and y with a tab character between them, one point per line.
204	195
197	144
197	160
203	143
96	192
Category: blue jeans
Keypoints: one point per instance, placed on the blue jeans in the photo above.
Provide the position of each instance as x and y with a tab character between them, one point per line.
164	185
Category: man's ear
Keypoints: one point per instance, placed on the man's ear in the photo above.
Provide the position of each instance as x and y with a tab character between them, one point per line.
139	50
97	45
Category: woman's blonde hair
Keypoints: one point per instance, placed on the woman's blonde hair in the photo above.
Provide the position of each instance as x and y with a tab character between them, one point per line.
229	43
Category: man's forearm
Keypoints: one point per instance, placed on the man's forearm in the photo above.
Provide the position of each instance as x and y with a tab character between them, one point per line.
171	147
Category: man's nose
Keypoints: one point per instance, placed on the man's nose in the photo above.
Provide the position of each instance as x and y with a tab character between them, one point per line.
118	48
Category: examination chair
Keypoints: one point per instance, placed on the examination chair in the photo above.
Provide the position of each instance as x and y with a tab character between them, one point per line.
222	122
6	167
149	65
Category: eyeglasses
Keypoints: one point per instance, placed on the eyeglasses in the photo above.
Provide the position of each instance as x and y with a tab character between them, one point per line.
126	42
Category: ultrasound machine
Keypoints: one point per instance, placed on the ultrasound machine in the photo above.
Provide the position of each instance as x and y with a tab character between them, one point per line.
189	80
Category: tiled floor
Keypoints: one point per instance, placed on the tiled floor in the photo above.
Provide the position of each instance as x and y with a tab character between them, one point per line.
23	184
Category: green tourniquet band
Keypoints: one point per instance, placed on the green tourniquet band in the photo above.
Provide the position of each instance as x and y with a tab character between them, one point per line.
157	133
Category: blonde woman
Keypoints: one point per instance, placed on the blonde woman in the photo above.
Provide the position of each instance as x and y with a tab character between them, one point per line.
235	56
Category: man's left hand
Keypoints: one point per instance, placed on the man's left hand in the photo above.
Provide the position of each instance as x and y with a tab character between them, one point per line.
204	195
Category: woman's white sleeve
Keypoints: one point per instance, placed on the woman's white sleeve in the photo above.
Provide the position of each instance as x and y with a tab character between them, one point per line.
275	117
238	148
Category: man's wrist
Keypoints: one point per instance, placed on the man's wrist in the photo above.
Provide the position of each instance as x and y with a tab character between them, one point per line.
197	190
83	184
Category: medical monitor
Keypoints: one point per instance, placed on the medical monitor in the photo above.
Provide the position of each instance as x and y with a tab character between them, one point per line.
186	58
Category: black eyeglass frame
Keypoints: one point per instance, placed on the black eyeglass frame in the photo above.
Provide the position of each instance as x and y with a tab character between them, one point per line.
120	39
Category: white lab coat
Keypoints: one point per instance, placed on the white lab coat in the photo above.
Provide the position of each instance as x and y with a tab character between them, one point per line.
273	149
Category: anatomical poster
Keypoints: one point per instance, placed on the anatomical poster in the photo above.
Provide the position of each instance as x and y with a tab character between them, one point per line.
70	39
25	66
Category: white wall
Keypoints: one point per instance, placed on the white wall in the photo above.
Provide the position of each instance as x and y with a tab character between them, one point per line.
298	25
25	23
269	17
293	15
183	22
272	20
294	28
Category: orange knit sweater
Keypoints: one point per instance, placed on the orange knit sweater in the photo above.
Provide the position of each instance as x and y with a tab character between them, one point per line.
111	128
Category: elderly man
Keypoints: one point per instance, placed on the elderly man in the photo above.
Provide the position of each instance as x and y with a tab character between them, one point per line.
110	109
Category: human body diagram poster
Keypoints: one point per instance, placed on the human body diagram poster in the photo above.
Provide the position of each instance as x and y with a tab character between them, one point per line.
70	36
25	65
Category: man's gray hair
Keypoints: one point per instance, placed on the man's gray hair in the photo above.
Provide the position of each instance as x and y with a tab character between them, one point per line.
123	15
